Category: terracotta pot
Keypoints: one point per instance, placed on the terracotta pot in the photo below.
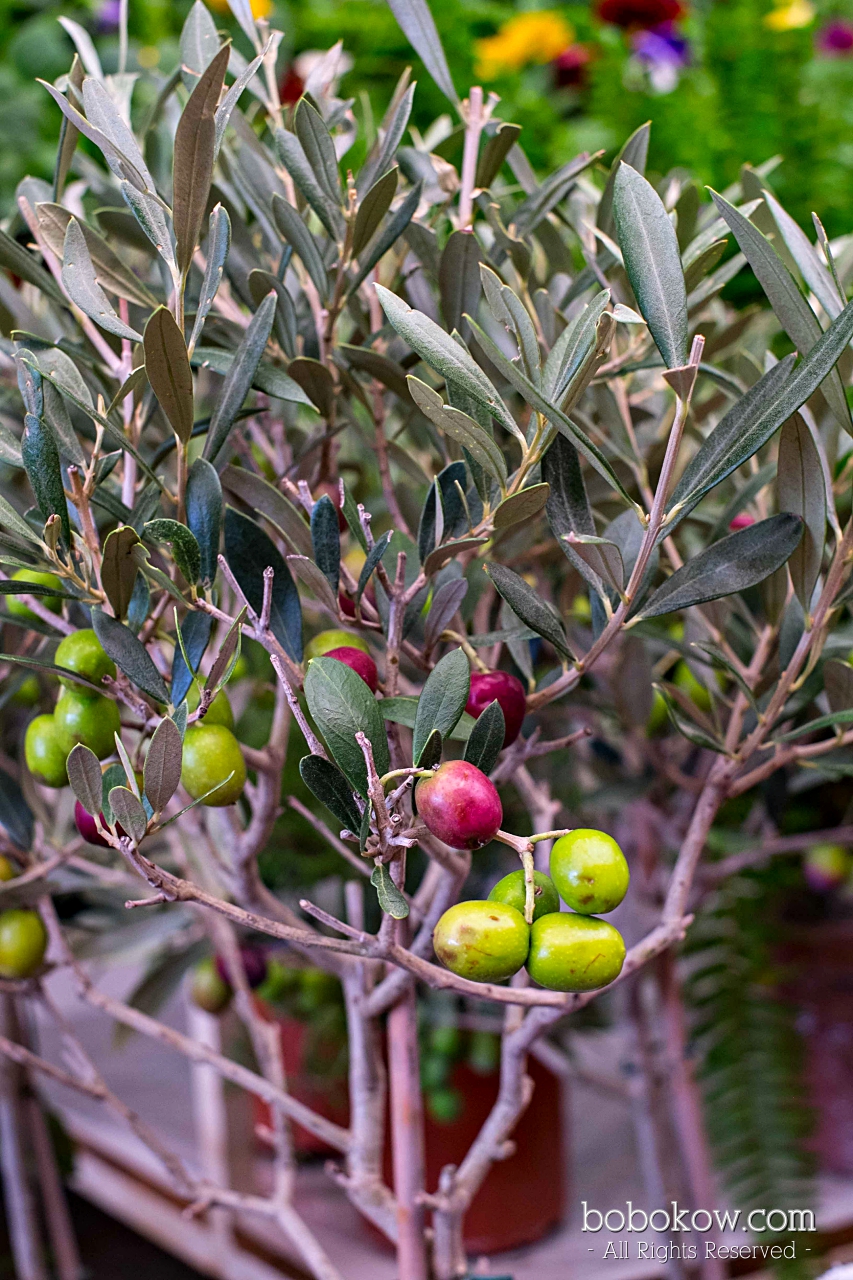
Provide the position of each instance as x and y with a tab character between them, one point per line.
328	1097
819	959
522	1197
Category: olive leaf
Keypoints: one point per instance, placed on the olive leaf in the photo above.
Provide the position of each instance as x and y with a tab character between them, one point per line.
446	602
295	232
41	460
390	898
264	498
652	261
741	560
447	357
326	782
204	514
801	490
523	505
341	705
403	710
119	569
456	424
459	285
418	26
194	637
168	368
319	149
195	143
486	740
377	551
790	307
128	812
249	552
84	776
372	209
442	700
500	139
239	378
162	771
528	605
129	654
81	284
218	245
185	548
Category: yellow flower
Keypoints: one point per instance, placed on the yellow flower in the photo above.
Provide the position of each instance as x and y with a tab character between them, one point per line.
789	17
526	38
260	8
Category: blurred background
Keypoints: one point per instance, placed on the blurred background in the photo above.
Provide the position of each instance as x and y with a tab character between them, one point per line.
724	81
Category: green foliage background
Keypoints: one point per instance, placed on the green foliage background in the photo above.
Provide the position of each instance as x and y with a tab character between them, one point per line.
750	93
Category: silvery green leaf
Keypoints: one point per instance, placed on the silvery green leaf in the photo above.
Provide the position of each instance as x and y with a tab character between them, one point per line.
263	498
242	11
319	149
459	284
527	604
550	410
296	162
741	560
635	153
377	551
168	369
240	376
447	357
442	700
78	277
446	602
801	489
151	216
753	420
457	425
84	45
390	234
103	113
268	377
522	505
315	581
40	457
390	137
15	258
486	739
372	209
249	552
84	775
128	813
12	522
653	262
326	541
390	898
500	138
120	165
232	97
218	244
130	655
418	26
510	311
193	160
341	705
110	272
536	207
326	782
162	771
291	225
790	307
815	274
199	43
